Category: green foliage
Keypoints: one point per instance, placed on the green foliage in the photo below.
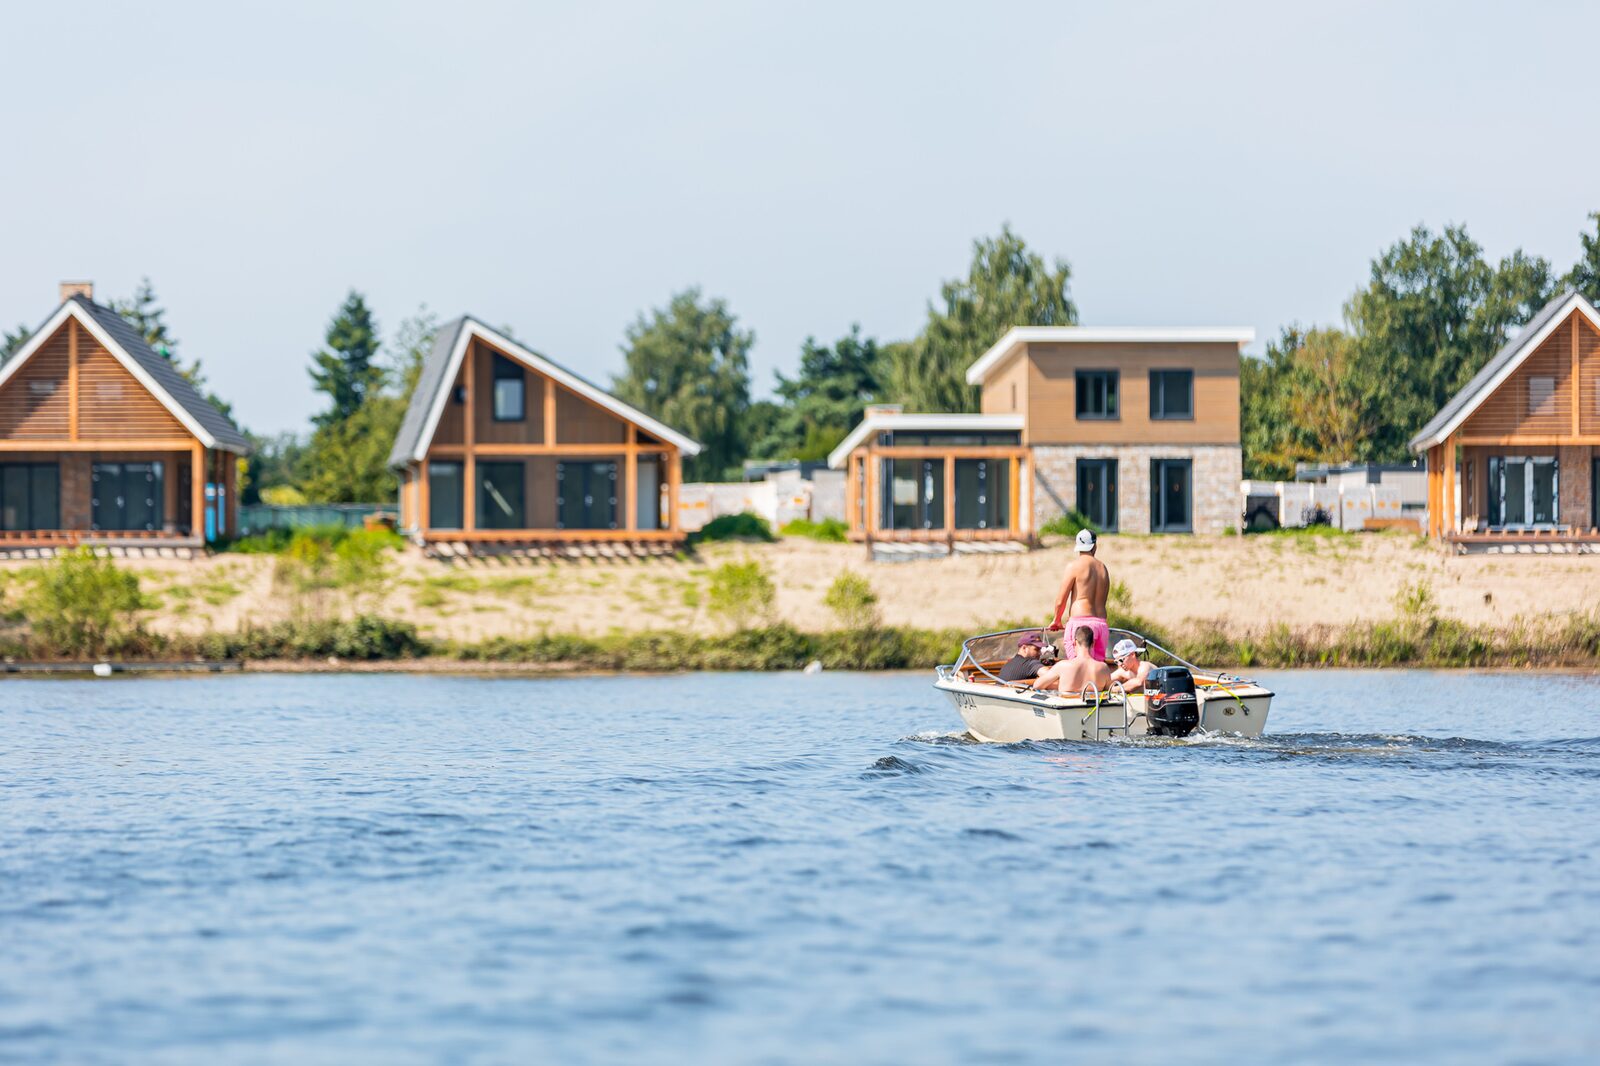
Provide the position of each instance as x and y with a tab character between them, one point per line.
273	462
1312	398
741	594
853	602
12	341
829	530
364	638
1068	524
82	604
1006	285
347	460
824	402
741	526
1585	274
346	368
688	365
144	314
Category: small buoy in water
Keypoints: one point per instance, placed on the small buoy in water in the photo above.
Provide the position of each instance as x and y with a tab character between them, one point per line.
813	667
102	669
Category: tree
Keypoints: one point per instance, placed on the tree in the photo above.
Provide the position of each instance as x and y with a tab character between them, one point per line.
688	365
12	342
412	343
345	367
824	402
1585	275
1006	286
274	462
1430	316
1308	400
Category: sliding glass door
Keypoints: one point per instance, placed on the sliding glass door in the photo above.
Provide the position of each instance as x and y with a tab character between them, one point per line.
1170	495
126	496
983	493
915	494
1524	491
30	496
1097	492
586	495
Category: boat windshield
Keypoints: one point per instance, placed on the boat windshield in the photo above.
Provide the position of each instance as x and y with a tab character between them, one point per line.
991	649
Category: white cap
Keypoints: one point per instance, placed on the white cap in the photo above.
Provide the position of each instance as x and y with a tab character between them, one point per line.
1124	648
1086	540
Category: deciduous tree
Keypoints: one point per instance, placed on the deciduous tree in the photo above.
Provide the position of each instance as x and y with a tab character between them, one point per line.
824	402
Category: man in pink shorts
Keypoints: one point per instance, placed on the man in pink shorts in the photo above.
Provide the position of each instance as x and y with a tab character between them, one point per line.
1082	599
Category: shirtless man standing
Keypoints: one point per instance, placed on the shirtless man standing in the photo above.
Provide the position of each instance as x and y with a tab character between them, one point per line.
1082	599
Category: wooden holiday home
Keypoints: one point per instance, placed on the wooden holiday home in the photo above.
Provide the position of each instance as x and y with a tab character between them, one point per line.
1514	457
103	441
503	448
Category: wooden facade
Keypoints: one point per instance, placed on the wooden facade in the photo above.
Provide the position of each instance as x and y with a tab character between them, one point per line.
1516	455
565	463
90	454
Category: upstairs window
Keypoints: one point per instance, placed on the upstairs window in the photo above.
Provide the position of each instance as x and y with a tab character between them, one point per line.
1171	394
1097	394
1541	396
508	390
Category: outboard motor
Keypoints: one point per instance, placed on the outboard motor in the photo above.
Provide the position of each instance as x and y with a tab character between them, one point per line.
1170	707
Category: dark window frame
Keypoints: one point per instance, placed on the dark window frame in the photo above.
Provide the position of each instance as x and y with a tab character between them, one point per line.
1158	395
504	369
1157	497
1110	383
1114	505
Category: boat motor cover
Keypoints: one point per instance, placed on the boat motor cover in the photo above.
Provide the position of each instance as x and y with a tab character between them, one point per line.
1171	709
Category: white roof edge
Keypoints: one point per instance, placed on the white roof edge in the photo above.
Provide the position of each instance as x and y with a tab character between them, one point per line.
473	328
70	309
1525	349
1002	349
902	420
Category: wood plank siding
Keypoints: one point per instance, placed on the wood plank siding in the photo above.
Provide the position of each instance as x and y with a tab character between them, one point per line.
113	404
1006	391
1588	377
34	404
1051	393
1509	410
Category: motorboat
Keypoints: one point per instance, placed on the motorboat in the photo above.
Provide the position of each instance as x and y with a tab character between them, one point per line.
1181	699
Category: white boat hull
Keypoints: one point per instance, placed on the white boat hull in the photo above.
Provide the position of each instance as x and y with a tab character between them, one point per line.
1008	716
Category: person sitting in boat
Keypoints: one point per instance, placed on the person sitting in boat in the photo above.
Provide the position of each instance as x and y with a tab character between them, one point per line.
1082	599
1024	665
1131	670
1072	676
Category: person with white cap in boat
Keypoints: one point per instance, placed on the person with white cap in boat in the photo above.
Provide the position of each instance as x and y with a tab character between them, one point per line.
1131	670
1082	599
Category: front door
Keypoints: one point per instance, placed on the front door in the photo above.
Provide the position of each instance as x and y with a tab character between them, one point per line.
1170	495
1097	492
586	495
126	496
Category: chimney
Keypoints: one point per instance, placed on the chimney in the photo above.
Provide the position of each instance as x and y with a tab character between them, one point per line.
69	289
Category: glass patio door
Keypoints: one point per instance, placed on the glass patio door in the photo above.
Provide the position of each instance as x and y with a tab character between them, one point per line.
1097	492
1170	496
586	495
1524	491
126	496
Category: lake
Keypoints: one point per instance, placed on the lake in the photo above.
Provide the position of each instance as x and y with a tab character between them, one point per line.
775	868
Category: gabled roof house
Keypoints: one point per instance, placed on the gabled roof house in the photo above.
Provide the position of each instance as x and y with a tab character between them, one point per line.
104	442
1514	456
502	446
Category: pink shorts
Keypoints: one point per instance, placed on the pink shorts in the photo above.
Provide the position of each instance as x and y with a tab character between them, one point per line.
1102	636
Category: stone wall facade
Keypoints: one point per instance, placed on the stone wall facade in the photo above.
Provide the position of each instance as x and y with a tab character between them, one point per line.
1577	476
1217	470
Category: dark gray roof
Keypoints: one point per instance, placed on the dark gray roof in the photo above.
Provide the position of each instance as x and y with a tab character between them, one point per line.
165	374
1509	351
428	385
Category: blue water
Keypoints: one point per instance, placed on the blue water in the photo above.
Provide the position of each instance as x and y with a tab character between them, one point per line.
774	868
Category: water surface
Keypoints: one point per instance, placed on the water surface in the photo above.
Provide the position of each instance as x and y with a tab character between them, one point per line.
775	868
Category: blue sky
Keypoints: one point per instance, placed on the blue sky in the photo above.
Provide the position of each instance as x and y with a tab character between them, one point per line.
559	168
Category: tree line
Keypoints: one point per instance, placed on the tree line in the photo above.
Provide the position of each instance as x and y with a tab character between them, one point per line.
1431	312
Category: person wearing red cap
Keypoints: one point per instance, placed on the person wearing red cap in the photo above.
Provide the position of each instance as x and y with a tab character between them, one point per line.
1024	666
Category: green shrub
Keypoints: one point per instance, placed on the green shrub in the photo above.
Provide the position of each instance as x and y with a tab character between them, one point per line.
853	602
1068	525
83	605
829	530
742	526
365	638
741	594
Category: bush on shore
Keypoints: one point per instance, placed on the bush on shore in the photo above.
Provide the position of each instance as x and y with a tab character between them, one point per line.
829	530
741	526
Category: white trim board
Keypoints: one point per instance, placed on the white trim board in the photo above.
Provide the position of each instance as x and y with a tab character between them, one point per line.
1525	348
1017	336
472	328
70	309
899	420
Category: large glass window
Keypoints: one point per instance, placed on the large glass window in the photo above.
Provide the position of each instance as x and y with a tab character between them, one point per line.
1097	492
1171	394
586	494
30	496
1097	393
444	496
983	493
1170	493
509	389
126	496
1524	490
501	492
914	491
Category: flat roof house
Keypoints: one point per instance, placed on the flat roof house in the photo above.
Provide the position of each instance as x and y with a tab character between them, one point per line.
1513	458
503	447
1137	428
104	442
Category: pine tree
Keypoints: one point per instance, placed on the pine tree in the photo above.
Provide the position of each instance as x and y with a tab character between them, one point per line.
346	368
